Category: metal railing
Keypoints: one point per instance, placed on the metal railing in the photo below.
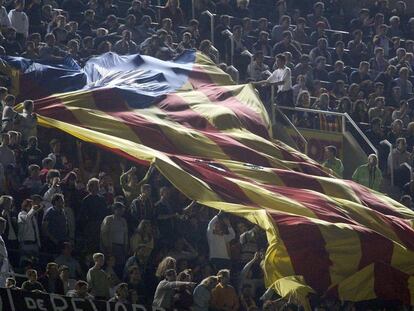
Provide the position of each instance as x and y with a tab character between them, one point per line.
360	132
409	167
229	34
293	127
211	16
234	73
193	8
344	118
386	143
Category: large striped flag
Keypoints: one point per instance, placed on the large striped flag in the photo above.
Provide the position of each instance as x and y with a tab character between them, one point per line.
212	140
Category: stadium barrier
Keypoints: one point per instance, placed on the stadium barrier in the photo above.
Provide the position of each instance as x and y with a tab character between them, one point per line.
19	300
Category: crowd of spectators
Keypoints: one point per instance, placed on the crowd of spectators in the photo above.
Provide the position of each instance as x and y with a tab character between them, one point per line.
76	224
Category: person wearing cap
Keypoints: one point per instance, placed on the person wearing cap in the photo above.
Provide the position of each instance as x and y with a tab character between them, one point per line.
163	297
28	233
114	235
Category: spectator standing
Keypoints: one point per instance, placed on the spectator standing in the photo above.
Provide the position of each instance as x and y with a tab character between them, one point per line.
97	278
93	211
66	259
4	18
9	114
142	207
114	235
130	184
396	158
7	156
332	161
369	174
11	231
224	296
27	121
54	225
19	20
219	235
281	77
28	233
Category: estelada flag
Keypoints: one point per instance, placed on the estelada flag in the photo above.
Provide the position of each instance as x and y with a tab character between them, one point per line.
212	140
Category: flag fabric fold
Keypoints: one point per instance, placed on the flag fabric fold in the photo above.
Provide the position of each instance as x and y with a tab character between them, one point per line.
212	140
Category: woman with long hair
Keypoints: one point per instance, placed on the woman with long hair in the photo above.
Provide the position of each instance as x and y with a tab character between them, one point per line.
166	264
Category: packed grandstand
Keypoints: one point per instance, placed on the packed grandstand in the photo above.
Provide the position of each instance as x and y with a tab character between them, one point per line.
206	155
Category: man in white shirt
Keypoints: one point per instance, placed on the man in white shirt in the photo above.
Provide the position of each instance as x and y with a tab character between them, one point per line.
282	78
19	20
28	234
219	235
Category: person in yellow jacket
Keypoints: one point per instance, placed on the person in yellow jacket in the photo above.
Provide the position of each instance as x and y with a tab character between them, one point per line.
332	161
369	174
